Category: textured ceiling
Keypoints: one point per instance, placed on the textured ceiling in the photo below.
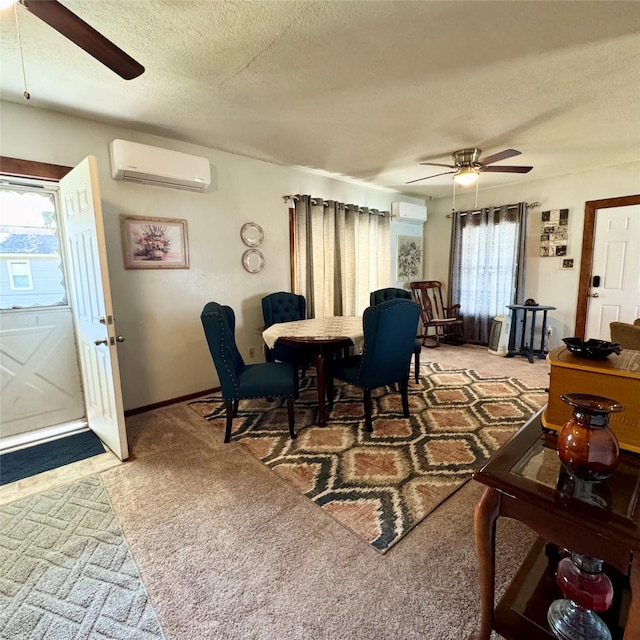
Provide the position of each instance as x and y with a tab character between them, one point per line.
360	89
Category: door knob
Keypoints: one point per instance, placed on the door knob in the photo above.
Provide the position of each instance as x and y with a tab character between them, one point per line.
99	342
120	339
594	295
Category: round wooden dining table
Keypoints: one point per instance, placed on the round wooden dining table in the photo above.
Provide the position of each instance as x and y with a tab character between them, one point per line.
319	338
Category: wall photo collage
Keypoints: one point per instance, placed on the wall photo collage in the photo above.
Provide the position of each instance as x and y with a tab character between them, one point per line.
554	233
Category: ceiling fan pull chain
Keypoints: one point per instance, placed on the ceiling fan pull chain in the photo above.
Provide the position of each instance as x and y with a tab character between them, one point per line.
26	95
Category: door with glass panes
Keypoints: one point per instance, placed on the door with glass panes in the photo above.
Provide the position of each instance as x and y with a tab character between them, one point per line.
41	383
54	373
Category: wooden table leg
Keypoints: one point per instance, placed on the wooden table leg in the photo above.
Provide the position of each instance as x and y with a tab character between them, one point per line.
321	381
632	628
486	513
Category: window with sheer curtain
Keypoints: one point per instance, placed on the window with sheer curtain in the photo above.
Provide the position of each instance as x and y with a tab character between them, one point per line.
341	254
487	265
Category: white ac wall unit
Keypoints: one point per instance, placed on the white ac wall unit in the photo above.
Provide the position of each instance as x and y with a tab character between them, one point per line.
499	335
137	162
408	212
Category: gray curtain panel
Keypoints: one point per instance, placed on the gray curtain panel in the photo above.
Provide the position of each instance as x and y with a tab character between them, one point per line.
487	265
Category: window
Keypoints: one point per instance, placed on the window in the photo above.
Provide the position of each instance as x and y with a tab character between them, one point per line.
487	265
19	274
31	271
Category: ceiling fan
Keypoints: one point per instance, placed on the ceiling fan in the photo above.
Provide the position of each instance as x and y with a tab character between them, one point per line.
467	165
67	23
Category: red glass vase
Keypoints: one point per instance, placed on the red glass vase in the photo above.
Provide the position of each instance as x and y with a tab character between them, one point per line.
587	447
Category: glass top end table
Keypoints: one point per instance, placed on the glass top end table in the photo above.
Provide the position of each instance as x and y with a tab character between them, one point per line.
525	481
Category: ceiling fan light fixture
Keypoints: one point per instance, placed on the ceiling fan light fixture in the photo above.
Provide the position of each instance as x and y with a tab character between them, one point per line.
467	164
466	176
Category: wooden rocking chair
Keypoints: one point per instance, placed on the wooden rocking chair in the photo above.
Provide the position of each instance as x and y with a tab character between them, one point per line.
446	321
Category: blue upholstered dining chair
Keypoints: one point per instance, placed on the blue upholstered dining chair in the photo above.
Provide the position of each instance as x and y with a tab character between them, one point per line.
389	337
391	293
284	307
237	379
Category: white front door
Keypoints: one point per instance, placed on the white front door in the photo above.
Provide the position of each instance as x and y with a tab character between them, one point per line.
90	296
39	371
616	262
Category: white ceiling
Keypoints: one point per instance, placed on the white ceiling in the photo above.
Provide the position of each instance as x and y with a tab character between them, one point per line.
361	89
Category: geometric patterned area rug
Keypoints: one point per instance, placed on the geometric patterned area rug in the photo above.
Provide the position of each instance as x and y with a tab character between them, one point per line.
67	571
382	484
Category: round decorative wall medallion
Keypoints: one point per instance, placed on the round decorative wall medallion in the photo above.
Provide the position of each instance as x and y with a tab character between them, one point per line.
253	261
252	234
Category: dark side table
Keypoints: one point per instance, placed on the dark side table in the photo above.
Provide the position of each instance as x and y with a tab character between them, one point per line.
525	481
529	349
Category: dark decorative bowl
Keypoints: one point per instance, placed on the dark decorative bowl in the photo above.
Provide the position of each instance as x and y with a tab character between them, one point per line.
591	348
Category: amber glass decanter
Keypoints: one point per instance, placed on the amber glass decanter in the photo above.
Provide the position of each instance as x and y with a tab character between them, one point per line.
587	447
589	452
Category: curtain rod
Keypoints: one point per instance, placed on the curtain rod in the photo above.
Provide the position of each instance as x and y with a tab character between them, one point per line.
317	201
529	205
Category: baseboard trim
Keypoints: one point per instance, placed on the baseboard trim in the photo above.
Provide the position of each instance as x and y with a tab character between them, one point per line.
166	403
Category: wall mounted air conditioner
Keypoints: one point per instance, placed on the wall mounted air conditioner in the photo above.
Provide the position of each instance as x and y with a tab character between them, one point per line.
136	162
408	212
499	335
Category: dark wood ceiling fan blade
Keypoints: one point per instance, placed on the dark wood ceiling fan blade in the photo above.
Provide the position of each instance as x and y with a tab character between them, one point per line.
437	164
427	177
496	157
85	36
506	169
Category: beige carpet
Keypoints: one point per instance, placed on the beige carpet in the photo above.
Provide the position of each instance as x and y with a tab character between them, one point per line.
227	551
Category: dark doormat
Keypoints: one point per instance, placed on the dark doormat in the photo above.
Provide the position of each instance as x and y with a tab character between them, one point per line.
49	455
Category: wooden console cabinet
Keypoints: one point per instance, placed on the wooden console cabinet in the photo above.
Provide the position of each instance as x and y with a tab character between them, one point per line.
616	377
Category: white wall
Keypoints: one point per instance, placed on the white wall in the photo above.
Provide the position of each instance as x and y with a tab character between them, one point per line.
165	355
546	282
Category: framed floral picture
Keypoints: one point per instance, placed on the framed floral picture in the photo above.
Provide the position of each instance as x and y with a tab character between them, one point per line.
154	243
409	265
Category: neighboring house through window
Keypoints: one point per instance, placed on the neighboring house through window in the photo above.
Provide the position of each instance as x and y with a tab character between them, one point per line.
19	274
31	273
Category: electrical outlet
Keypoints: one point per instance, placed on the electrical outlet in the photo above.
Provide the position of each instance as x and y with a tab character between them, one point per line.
252	352
549	331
